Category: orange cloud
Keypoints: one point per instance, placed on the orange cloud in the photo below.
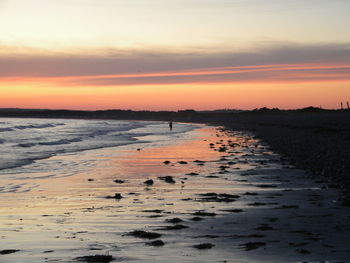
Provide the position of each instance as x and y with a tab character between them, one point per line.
285	77
244	74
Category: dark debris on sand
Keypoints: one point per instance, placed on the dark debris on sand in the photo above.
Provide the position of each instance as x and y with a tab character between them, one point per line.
204	246
154	216
156	243
192	174
96	258
144	234
174	227
149	182
236	210
311	138
175	220
117	181
252	245
168	179
266	185
258	204
196	218
158	211
345	201
203	213
8	251
116	196
303	251
214	197
287	206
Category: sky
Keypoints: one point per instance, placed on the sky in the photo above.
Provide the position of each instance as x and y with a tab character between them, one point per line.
173	55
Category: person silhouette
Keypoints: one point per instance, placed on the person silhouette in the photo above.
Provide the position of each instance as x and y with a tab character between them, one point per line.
171	125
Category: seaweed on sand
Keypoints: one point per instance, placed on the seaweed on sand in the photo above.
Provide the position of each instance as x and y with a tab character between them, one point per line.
144	234
204	246
96	258
8	251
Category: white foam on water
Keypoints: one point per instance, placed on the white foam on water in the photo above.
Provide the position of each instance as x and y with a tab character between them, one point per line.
25	141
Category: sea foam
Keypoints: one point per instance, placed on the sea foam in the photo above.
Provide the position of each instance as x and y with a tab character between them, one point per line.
24	141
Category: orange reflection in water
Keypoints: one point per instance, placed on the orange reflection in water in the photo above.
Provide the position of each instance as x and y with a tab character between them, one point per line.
149	161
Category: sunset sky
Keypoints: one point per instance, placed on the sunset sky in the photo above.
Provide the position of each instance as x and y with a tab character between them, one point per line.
171	55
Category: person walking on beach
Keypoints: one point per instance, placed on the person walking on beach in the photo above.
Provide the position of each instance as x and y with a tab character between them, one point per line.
171	125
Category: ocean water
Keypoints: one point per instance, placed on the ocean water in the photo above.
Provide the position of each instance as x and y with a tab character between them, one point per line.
24	142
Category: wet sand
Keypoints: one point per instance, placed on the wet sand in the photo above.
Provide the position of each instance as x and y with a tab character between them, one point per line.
219	196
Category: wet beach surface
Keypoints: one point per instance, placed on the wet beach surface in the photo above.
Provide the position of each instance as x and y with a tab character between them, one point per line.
220	196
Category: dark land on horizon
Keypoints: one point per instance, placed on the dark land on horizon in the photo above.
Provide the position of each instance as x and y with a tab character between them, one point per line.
313	139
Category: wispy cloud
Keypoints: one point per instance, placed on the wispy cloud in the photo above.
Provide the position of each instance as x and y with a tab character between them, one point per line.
285	62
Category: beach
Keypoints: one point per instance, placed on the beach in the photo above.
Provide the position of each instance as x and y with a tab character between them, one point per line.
203	194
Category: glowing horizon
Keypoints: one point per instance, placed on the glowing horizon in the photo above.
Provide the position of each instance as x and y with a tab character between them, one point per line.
162	55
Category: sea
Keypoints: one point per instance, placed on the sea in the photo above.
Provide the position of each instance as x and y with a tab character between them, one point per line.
25	141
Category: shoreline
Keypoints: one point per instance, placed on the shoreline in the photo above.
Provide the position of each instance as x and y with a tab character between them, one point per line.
312	139
136	137
238	203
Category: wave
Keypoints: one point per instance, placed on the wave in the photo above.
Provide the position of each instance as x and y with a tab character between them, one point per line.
26	145
17	188
40	126
29	140
63	141
5	129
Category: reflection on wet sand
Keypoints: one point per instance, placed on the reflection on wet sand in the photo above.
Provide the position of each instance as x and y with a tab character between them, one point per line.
218	197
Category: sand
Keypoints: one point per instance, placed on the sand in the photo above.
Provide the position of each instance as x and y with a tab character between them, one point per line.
221	197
